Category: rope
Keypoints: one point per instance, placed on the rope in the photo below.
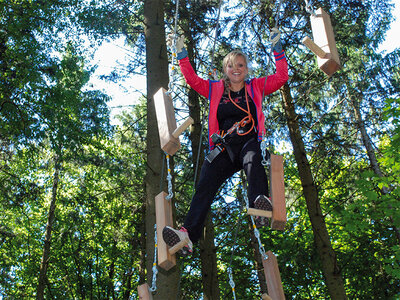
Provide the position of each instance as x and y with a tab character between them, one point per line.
265	160
171	84
215	42
246	120
198	153
278	13
210	68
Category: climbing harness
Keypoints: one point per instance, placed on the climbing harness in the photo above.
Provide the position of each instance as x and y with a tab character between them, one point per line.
249	118
222	140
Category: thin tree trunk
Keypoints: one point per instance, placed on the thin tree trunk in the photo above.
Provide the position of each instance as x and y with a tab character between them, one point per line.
209	262
157	77
371	153
330	269
49	227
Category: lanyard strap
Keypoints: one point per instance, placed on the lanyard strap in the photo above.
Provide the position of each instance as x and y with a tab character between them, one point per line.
249	118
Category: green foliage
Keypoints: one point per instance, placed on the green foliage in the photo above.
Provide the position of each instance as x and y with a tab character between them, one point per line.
98	242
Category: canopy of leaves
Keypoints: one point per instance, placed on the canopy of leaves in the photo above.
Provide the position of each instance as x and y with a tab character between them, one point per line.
47	110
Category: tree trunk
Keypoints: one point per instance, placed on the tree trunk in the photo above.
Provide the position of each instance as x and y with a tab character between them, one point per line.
371	153
49	227
330	269
157	77
208	258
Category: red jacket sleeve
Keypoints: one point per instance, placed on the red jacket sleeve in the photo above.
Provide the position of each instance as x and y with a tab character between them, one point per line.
199	84
276	81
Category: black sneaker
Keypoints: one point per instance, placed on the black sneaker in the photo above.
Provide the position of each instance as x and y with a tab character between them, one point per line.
172	237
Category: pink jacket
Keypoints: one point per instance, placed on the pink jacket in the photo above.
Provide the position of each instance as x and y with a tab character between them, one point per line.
213	91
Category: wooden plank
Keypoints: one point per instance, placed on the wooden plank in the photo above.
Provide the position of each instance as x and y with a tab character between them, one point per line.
163	218
266	297
273	277
179	245
165	114
277	186
314	47
259	212
324	39
144	292
177	132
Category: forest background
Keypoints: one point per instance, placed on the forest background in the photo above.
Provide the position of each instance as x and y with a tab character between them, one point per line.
77	193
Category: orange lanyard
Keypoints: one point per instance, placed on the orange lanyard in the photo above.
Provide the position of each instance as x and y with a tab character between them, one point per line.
249	118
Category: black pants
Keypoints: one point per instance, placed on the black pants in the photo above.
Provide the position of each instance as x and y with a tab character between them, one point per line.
247	156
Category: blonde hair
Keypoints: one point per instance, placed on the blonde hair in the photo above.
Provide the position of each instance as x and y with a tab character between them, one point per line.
230	58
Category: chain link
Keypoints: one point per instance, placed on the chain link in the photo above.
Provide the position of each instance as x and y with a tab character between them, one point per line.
169	179
309	8
256	232
264	161
154	269
231	282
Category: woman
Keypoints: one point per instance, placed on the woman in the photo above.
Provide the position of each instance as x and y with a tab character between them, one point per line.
236	127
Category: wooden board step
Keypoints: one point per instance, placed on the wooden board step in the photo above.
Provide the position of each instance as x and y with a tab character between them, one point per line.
178	246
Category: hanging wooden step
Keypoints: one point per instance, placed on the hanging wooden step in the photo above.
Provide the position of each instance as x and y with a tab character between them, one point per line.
324	45
277	188
144	292
167	129
273	277
166	260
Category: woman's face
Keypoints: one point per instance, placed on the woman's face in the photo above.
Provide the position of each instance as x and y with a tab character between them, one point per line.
237	71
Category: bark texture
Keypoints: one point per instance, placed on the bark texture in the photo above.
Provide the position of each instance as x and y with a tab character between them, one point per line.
157	77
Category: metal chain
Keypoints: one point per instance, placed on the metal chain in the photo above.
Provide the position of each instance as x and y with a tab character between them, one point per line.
264	161
256	232
231	282
169	179
309	8
154	269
